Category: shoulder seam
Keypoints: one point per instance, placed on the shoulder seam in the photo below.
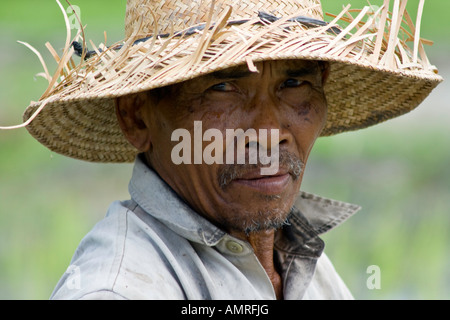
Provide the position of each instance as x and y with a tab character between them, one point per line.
103	290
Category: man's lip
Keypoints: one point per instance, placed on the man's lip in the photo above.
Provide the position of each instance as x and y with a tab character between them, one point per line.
270	185
256	174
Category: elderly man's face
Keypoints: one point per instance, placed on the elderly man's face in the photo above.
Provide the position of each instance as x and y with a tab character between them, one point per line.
283	95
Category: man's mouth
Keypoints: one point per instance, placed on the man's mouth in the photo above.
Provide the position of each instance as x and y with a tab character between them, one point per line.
249	175
269	185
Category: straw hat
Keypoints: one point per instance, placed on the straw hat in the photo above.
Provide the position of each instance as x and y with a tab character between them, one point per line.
379	69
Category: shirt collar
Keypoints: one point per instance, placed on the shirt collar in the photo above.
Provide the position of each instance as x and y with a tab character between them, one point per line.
153	195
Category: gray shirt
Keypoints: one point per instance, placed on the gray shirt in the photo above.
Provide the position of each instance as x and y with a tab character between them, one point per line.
155	246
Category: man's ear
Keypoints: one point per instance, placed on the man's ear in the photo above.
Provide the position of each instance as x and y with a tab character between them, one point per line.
130	114
325	67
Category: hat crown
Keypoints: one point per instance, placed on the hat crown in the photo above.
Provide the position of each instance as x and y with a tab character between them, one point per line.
176	15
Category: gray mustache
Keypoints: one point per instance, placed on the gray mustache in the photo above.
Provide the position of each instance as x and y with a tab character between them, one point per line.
287	160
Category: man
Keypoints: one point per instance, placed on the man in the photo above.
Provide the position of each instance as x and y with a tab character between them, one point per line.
195	92
236	198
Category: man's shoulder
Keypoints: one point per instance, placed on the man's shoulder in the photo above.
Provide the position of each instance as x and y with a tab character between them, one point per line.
119	258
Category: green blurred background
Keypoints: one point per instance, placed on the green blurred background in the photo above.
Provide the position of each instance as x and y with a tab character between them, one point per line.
398	171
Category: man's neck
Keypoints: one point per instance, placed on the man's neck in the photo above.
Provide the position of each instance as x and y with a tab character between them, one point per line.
263	244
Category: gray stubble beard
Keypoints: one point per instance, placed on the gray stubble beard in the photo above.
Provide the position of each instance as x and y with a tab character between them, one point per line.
268	219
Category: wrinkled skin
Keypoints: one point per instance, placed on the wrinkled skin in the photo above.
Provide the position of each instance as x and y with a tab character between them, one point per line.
283	95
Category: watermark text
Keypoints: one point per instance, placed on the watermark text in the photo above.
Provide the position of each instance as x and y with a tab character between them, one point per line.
249	146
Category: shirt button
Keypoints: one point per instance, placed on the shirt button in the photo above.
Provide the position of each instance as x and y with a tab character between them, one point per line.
234	247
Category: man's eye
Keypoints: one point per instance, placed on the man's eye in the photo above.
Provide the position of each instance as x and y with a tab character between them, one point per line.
223	86
291	83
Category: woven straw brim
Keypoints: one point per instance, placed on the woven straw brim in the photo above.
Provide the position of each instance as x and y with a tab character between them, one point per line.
371	80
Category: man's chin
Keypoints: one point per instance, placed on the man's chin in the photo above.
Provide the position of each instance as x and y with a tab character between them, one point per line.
259	220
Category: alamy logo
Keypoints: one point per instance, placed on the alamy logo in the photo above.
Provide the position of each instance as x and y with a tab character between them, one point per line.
248	144
74	16
374	280
74	277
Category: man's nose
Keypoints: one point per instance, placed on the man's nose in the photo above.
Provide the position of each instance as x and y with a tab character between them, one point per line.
269	123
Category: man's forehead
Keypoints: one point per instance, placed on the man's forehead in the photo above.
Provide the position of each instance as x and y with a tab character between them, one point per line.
278	68
282	67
